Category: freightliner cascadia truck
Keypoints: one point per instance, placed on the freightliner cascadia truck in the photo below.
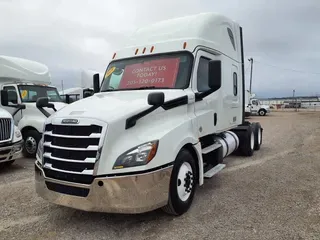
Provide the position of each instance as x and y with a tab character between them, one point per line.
169	109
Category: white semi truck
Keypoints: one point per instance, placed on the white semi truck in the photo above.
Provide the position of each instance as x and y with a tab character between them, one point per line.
25	81
253	105
170	108
11	141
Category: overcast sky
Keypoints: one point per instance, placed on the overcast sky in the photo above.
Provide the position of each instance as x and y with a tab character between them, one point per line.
72	35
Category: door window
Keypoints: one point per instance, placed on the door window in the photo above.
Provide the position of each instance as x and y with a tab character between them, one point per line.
235	84
254	102
203	74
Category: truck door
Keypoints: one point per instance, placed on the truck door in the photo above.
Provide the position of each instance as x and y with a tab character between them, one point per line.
14	98
254	106
206	110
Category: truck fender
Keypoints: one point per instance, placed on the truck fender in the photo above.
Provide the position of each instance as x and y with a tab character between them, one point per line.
193	145
33	122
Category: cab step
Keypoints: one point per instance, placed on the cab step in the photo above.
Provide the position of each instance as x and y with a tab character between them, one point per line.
211	148
213	171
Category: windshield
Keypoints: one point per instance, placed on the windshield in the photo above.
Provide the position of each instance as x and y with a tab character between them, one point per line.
30	93
156	71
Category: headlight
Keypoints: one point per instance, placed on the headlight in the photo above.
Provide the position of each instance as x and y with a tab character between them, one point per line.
138	156
17	133
40	149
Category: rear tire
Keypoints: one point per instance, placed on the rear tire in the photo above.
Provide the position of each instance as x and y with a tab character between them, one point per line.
247	140
31	139
257	135
182	184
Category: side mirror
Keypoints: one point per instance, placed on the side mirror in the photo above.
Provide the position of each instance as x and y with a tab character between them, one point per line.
67	98
96	83
156	99
214	74
4	98
44	102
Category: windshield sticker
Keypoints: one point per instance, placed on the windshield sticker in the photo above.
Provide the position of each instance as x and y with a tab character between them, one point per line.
24	93
109	72
157	73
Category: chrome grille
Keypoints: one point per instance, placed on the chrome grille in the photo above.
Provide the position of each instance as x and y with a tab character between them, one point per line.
71	150
5	129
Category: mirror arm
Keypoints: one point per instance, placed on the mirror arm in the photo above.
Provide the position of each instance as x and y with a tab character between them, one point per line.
44	112
19	107
131	121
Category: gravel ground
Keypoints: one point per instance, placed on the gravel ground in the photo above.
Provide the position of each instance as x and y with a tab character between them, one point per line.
273	195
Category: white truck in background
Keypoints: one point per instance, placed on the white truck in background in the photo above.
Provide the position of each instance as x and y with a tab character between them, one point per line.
85	89
25	81
11	141
170	108
253	105
248	112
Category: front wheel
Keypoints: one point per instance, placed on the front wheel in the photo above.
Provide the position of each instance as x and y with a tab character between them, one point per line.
182	184
31	140
262	112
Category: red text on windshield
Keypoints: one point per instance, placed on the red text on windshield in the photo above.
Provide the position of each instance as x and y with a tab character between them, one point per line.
157	73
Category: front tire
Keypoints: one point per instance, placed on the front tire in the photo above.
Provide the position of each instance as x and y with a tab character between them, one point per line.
182	184
262	112
31	140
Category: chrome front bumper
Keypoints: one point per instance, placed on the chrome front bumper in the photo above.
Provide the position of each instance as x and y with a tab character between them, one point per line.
123	194
11	151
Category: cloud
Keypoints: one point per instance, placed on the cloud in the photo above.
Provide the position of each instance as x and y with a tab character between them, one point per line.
83	34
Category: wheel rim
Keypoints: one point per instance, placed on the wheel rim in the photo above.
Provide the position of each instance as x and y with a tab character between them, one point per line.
259	136
252	141
31	145
185	181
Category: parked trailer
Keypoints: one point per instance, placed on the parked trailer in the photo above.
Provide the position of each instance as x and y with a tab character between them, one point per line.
170	108
25	81
84	90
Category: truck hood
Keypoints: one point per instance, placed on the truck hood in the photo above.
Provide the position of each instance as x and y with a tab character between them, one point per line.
110	106
4	113
265	106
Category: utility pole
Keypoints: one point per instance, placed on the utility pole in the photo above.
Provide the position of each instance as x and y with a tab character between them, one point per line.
294	100
251	60
62	86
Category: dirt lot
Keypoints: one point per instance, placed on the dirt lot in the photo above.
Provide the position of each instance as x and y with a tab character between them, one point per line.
273	195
